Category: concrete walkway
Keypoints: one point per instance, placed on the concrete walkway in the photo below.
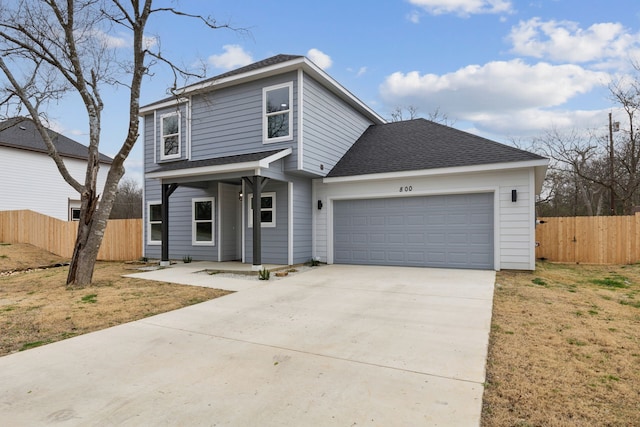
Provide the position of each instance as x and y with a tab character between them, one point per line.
333	346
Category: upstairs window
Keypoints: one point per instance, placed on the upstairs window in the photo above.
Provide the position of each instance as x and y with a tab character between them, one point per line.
170	136
277	106
202	226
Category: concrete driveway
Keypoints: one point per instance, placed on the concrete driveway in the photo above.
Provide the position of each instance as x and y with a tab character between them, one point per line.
333	346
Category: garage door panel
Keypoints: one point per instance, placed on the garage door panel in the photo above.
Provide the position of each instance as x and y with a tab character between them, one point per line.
435	231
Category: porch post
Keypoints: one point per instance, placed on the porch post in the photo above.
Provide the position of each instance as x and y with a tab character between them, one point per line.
256	183
167	190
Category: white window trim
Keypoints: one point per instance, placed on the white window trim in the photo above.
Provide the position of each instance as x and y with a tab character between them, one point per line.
71	218
271	224
265	131
162	136
148	218
195	242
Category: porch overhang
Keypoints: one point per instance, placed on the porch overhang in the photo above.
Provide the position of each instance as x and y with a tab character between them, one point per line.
251	164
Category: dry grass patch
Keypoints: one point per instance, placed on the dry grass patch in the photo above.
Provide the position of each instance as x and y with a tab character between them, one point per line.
565	347
36	308
21	255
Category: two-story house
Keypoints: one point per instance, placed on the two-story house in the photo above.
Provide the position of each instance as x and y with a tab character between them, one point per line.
277	163
30	178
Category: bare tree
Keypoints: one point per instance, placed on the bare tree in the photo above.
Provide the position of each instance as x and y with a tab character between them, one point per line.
128	201
51	49
400	113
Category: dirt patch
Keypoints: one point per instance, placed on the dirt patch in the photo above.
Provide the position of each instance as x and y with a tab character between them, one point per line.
36	308
18	256
565	347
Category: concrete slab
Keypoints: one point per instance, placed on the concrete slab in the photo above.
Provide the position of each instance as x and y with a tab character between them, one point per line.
336	345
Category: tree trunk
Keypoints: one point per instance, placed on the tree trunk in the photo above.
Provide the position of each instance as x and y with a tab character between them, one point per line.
87	244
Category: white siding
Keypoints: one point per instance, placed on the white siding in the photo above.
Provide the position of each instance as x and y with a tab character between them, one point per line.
514	233
31	180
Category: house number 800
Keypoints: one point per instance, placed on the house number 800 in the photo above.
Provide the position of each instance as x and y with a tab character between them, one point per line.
406	189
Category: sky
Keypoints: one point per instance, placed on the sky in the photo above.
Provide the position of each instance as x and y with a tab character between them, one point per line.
508	70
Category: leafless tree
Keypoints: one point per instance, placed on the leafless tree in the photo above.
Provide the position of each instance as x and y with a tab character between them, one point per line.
54	49
128	201
410	112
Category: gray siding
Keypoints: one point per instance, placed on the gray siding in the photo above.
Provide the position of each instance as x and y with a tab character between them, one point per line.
180	232
275	240
229	121
330	127
302	213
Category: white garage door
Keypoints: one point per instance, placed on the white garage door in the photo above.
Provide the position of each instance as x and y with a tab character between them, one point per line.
454	231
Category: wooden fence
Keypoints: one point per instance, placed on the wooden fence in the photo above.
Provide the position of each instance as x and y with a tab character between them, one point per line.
122	239
590	240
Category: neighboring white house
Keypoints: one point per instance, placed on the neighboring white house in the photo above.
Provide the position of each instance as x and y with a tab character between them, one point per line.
30	178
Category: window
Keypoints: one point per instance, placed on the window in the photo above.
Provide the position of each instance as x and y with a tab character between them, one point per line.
277	112
74	214
202	227
154	230
267	210
170	136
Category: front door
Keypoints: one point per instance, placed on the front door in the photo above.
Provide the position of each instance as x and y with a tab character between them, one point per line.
230	223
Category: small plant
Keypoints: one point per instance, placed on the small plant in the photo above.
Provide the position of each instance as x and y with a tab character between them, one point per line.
539	281
314	262
90	299
612	282
264	274
187	259
144	259
4	256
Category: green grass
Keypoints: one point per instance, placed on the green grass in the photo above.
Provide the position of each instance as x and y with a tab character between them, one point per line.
90	299
539	281
615	281
34	344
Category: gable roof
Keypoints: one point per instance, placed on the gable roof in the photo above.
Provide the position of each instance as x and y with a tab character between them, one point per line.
21	133
271	66
422	144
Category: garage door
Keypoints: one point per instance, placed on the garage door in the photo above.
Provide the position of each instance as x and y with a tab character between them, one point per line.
454	231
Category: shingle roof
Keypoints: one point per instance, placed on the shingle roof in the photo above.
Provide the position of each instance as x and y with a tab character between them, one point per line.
273	60
21	133
240	158
421	144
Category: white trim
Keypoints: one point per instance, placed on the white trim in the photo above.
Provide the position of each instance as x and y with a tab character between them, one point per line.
272	70
219	223
170	103
532	222
242	221
148	222
300	119
497	215
438	171
155	136
188	131
211	242
290	225
255	165
163	136
265	115
271	224
416	193
314	218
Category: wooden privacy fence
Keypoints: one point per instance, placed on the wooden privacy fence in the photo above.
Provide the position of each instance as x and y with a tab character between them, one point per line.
589	240
122	239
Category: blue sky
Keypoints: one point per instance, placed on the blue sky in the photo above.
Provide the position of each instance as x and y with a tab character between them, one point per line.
504	69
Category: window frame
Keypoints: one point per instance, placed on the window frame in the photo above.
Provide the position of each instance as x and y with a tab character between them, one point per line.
195	221
271	224
265	115
71	216
150	222
163	137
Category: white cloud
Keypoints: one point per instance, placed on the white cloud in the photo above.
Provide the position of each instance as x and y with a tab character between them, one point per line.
414	17
361	71
464	7
320	58
498	86
234	56
565	41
